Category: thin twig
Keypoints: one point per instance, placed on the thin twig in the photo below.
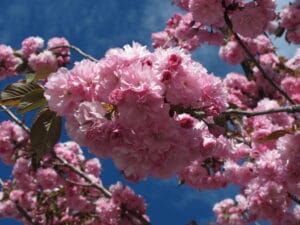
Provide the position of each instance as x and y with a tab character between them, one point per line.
1	183
287	109
25	215
83	175
249	54
76	49
16	119
138	216
98	187
74	182
294	198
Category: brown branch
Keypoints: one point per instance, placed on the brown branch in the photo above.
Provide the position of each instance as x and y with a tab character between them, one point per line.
16	119
76	49
287	109
249	54
294	198
98	187
83	175
74	182
25	215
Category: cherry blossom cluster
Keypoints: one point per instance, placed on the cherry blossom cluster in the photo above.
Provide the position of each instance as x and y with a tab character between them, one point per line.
183	31
12	140
54	194
290	20
123	107
206	22
255	153
161	114
32	58
249	18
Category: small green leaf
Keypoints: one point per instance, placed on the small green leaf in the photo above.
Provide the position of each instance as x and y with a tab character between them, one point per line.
32	101
45	132
13	93
30	77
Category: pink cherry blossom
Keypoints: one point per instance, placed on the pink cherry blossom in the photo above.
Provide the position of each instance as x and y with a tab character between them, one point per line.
251	20
47	178
290	20
241	92
30	45
207	12
292	86
12	139
42	62
8	62
232	53
62	54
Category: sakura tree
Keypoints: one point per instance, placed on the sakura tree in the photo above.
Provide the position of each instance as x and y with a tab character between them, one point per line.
157	113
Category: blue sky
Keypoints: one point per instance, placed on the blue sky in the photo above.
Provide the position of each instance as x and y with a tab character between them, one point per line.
95	26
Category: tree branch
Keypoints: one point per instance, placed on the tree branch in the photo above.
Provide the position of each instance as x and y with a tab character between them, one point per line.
76	49
98	187
83	175
25	215
287	109
14	118
249	54
294	198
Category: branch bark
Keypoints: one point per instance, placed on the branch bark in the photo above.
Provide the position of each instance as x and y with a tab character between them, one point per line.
287	109
100	188
76	49
14	118
25	215
294	198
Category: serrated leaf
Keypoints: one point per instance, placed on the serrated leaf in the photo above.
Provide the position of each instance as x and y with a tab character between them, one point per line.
32	101
45	132
13	93
275	135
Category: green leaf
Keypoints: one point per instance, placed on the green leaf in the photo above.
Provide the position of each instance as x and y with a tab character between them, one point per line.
13	93
45	132
30	77
31	101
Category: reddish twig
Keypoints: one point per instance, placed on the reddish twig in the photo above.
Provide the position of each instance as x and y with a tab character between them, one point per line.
76	49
